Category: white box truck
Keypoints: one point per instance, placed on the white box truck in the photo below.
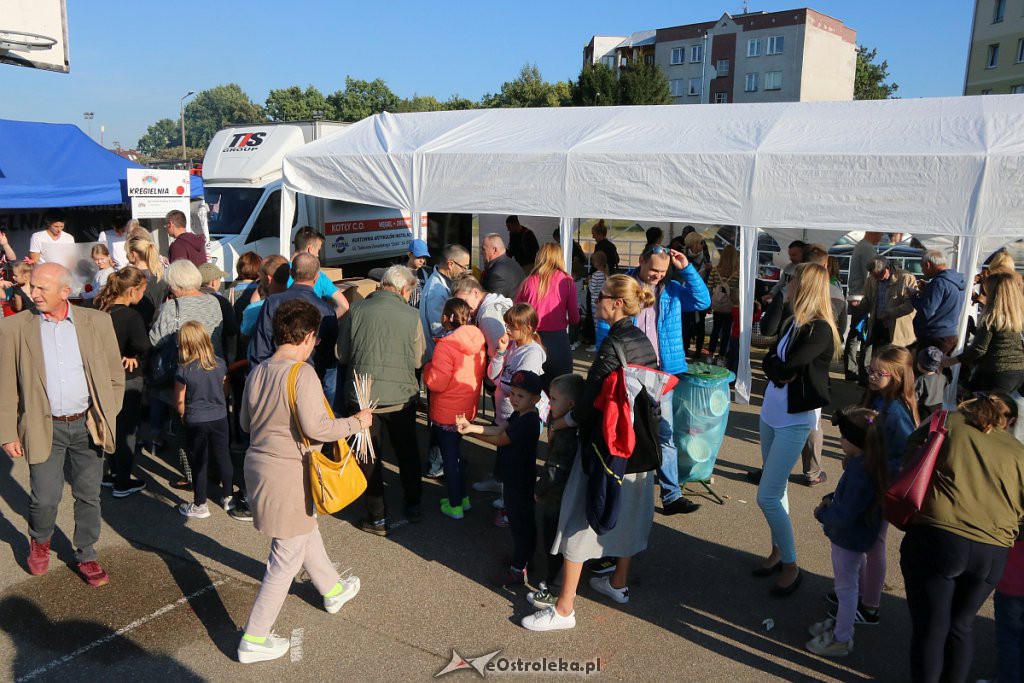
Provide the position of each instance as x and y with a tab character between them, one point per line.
242	176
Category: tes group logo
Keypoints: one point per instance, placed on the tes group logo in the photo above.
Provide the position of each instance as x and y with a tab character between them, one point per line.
245	142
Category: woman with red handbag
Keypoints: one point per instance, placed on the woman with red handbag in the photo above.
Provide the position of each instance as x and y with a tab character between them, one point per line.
956	547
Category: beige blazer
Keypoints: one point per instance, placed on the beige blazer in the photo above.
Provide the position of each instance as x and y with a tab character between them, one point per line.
899	312
24	404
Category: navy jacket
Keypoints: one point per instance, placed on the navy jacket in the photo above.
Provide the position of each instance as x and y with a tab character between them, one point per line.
262	345
852	520
938	306
899	424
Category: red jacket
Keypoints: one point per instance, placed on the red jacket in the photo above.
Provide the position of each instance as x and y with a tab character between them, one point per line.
455	374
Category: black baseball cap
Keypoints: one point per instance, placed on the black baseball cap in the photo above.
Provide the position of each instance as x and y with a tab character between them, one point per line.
527	381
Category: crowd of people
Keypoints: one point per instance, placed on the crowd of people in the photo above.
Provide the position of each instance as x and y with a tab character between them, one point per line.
242	384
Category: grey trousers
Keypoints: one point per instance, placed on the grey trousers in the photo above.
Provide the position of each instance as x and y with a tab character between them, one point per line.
811	453
71	442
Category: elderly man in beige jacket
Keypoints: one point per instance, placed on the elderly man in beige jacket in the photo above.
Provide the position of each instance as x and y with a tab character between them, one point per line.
65	384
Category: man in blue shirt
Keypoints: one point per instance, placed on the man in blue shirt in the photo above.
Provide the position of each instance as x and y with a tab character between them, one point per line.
309	241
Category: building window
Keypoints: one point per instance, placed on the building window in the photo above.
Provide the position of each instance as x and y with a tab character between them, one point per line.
677	87
986	92
751	85
608	61
678	55
721	98
696	53
999	12
992	60
694	87
722	68
773	80
754	47
775	45
1017	89
624	62
648	59
1020	50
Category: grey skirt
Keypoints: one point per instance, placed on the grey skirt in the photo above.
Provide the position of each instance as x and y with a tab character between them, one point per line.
577	542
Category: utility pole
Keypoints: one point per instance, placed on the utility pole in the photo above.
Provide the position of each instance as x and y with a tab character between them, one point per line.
181	108
88	117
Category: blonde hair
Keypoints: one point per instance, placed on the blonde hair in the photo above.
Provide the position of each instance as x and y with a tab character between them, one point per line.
549	261
728	262
195	346
634	297
599	261
812	301
1001	262
694	241
100	249
147	251
1004	309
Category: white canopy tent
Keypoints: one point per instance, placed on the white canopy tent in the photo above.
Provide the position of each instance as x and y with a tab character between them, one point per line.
947	166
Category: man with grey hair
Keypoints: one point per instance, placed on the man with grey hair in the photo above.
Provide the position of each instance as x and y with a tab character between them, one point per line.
938	304
382	337
887	304
454	262
502	275
304	272
64	385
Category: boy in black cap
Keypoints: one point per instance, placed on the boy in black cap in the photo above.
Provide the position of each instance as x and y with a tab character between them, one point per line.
930	385
517	459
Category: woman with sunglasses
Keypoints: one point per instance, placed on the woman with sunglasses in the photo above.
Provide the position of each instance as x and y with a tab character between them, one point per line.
797	368
552	292
620	300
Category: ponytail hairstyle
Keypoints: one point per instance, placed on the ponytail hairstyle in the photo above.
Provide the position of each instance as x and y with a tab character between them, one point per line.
635	297
899	363
523	317
147	251
864	428
994	411
118	284
455	314
100	250
195	346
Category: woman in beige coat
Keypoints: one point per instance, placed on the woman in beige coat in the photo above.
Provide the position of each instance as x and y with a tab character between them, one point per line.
276	466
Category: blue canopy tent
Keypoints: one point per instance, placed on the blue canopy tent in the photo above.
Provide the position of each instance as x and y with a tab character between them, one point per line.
50	165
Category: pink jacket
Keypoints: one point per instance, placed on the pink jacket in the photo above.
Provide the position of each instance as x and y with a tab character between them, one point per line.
558	309
455	374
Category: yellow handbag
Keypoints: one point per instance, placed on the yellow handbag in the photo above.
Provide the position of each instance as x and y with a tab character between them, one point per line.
334	483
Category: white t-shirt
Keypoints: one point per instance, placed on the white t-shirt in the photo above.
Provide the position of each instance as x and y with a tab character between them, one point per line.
42	237
775	406
117	245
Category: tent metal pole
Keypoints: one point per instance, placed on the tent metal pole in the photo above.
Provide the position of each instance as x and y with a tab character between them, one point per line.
968	251
287	211
748	274
565	233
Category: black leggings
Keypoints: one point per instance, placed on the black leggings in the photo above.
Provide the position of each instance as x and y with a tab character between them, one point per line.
203	440
721	328
549	528
127	428
947	578
693	328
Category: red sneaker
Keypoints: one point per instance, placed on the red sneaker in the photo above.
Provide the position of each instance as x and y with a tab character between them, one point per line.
93	574
38	557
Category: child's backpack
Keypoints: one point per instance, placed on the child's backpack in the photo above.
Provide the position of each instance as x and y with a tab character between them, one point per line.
721	301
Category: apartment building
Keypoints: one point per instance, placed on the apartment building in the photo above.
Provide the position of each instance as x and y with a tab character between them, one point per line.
995	60
788	56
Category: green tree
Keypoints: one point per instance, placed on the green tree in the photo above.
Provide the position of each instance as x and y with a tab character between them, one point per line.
597	86
161	135
643	83
456	102
869	82
361	98
419	103
294	104
529	90
214	109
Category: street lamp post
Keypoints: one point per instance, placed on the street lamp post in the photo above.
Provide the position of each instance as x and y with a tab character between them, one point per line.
181	110
88	117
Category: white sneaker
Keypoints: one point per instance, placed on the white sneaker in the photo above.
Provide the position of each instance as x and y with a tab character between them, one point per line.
193	510
350	588
498	503
822	627
487	486
548	620
603	585
228	503
271	648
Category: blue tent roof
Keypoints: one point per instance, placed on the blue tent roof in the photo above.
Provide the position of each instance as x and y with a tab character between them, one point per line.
45	165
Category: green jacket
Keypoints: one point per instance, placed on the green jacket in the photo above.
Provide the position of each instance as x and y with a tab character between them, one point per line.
382	336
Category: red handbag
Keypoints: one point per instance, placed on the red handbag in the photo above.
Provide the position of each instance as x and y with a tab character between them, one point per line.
903	499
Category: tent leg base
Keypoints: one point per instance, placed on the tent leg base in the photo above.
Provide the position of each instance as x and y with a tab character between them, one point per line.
708	491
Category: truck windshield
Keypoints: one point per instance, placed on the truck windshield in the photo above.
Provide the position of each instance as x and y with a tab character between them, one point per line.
230	208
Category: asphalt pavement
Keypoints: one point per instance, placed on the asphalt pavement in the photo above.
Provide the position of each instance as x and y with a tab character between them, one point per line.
180	592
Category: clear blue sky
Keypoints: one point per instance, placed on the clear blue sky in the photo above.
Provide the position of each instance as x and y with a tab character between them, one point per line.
130	62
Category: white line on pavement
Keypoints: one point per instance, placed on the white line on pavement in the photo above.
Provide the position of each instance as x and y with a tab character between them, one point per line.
116	634
296	647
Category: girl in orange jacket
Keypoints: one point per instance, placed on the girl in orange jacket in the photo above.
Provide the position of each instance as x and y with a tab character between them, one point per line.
454	377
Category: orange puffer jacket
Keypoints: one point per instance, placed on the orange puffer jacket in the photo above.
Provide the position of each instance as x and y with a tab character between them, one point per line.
455	374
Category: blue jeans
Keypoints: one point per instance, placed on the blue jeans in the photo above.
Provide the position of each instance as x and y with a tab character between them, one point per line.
1009	637
780	449
454	466
668	473
330	384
